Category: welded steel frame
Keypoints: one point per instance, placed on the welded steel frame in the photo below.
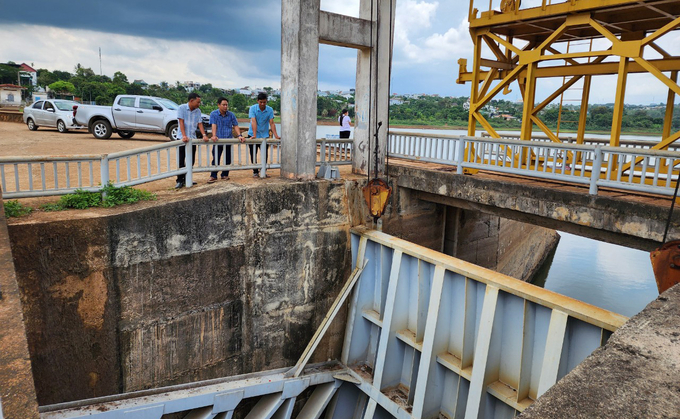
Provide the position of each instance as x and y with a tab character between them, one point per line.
543	32
263	395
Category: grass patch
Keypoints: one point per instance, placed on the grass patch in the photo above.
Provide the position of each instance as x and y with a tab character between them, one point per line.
124	195
16	209
110	196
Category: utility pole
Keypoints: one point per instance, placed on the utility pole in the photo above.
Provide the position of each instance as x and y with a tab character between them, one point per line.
100	61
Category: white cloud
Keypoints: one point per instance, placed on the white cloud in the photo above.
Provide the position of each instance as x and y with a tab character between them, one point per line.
414	41
151	59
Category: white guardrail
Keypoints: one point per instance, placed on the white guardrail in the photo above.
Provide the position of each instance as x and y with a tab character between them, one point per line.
626	168
23	177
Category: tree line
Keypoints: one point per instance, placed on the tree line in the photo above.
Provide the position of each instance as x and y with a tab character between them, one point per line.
448	111
424	110
102	90
85	84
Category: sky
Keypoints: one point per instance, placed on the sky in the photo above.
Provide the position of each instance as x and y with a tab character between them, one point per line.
237	43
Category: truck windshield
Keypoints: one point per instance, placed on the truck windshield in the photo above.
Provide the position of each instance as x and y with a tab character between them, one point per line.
168	104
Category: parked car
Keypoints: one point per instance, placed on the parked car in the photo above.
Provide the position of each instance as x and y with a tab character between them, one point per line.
130	114
53	113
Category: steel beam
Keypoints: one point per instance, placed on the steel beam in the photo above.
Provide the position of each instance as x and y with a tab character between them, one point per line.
529	97
619	102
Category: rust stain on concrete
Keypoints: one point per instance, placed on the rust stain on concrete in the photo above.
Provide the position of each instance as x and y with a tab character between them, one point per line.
93	295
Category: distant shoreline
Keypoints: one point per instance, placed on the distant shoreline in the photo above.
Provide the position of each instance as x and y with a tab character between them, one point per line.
327	122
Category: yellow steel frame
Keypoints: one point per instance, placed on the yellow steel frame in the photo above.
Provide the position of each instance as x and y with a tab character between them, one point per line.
524	65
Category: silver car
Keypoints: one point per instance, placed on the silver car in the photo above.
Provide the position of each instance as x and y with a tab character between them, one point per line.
53	113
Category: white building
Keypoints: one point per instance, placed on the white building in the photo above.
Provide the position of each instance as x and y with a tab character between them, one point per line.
10	95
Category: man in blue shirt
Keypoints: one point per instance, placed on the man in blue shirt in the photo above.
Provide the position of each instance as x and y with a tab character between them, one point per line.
189	116
223	122
261	120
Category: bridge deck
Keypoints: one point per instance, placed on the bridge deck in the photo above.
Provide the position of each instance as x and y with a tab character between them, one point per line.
629	219
640	198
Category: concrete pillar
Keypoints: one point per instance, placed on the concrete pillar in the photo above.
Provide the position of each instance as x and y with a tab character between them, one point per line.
299	81
372	94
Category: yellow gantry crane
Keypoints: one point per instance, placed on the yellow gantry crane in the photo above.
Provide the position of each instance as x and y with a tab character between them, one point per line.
526	45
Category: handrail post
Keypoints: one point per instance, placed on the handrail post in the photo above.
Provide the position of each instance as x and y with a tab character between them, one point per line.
189	163
460	152
595	173
263	158
323	150
104	171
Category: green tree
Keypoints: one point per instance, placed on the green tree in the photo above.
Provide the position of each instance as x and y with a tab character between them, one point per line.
114	90
62	87
103	100
45	77
238	103
62	75
83	72
134	89
9	74
120	79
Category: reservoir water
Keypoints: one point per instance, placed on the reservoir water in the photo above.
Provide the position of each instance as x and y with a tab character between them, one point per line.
613	277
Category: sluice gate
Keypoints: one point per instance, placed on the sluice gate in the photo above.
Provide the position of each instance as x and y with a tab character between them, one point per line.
427	336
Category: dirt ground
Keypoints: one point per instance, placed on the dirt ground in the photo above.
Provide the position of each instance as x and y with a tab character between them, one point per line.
17	140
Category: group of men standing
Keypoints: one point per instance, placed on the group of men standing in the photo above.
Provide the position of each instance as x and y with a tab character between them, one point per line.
223	123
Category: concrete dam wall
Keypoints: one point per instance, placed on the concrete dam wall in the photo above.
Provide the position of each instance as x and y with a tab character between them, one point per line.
215	282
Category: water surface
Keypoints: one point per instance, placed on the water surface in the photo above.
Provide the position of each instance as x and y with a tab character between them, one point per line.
616	278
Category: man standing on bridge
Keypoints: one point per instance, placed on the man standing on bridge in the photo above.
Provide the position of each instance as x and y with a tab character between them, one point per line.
261	119
189	116
223	122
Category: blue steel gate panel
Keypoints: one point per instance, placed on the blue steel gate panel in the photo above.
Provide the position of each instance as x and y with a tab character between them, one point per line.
429	335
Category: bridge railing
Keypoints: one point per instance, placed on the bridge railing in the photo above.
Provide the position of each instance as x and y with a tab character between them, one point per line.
634	169
23	177
490	7
568	139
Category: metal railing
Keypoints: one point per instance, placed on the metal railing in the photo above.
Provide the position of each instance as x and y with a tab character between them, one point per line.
23	177
633	169
569	139
486	6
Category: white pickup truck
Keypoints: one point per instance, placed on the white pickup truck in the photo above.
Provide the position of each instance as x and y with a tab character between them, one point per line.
130	114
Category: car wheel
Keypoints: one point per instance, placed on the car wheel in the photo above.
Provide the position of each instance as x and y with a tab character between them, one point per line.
173	132
61	126
101	129
31	125
126	134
